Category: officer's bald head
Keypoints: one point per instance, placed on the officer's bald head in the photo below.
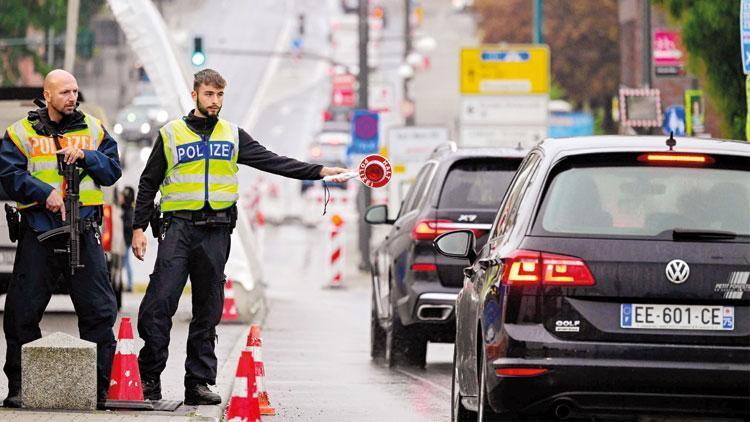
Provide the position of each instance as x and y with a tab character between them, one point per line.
60	93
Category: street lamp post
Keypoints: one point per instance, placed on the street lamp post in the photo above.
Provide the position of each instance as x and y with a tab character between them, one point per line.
409	118
364	197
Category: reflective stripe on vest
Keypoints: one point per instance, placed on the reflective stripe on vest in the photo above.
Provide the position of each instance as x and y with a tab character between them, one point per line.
42	162
199	170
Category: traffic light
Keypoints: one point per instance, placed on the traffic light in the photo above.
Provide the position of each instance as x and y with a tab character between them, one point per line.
198	57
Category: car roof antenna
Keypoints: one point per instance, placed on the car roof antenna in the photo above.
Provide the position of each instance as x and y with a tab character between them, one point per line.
671	142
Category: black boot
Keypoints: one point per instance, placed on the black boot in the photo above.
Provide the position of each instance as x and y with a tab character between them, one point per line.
13	400
200	394
151	389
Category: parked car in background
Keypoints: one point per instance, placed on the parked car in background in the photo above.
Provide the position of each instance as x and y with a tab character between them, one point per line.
15	103
141	120
414	288
614	281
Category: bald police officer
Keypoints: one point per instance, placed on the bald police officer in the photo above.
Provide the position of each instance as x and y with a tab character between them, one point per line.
28	172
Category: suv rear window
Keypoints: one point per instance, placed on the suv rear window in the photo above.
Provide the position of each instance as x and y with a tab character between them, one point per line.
639	200
477	183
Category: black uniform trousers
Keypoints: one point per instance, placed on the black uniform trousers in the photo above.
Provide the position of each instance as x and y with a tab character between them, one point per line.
36	274
201	252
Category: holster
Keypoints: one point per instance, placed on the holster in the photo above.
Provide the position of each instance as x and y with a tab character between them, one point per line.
14	222
156	221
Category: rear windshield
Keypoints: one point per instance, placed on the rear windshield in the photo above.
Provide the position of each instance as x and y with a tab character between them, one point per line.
646	201
477	183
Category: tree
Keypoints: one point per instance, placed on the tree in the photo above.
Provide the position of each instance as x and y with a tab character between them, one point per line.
710	33
18	16
583	36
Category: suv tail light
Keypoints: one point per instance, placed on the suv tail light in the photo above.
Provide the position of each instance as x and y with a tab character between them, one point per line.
430	229
107	228
524	268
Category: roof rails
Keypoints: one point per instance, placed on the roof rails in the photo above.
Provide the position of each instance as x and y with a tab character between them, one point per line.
448	146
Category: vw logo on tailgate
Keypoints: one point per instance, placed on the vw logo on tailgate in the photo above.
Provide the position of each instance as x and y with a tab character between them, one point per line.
677	271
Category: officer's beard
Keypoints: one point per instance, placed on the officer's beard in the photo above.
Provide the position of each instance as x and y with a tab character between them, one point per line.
204	111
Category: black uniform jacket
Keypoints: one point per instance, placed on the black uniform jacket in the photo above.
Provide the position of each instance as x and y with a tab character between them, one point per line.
250	153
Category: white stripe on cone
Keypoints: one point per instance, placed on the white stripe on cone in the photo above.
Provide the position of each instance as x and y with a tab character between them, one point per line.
125	346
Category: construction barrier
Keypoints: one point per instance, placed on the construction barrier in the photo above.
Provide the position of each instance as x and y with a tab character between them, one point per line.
336	247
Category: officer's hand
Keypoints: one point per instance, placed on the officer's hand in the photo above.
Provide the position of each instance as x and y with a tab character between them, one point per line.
55	203
332	171
139	244
72	154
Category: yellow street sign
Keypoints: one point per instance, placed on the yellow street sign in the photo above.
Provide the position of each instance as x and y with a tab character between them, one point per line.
505	70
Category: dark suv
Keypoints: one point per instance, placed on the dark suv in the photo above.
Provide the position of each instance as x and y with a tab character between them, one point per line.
414	288
614	280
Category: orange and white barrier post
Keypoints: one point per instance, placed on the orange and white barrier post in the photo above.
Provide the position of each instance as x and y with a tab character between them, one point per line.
336	255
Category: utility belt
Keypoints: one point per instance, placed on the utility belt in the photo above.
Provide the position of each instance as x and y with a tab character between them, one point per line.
201	218
17	222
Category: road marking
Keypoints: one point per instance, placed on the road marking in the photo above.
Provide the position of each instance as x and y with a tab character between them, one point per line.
273	64
425	380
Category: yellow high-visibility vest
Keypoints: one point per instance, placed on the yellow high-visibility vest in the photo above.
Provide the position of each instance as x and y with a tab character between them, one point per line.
199	170
40	151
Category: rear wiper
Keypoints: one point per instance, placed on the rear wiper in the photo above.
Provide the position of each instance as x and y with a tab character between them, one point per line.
684	234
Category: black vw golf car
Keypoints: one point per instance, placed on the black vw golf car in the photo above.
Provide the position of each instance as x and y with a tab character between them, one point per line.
614	280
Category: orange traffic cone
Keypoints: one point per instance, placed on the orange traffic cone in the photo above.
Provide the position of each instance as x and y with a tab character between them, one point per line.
229	313
243	406
125	390
254	345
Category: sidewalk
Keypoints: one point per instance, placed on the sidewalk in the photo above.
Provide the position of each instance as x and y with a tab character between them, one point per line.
224	383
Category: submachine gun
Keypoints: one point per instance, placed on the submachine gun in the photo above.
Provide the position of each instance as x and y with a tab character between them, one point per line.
72	226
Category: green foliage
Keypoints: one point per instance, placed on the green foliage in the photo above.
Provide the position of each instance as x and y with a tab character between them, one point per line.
710	33
17	16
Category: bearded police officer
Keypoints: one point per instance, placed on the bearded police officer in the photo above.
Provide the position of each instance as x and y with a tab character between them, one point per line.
29	175
194	165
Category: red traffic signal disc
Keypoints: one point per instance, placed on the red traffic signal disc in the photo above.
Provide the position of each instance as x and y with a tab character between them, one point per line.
375	171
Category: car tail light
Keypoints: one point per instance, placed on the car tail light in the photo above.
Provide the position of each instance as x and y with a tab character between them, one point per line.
523	268
424	267
107	228
327	116
430	229
565	271
520	372
675	159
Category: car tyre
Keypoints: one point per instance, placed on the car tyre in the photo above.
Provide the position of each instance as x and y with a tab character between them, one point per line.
377	333
459	413
486	413
404	346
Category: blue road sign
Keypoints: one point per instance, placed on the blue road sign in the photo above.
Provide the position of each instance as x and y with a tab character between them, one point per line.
674	121
365	133
745	35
